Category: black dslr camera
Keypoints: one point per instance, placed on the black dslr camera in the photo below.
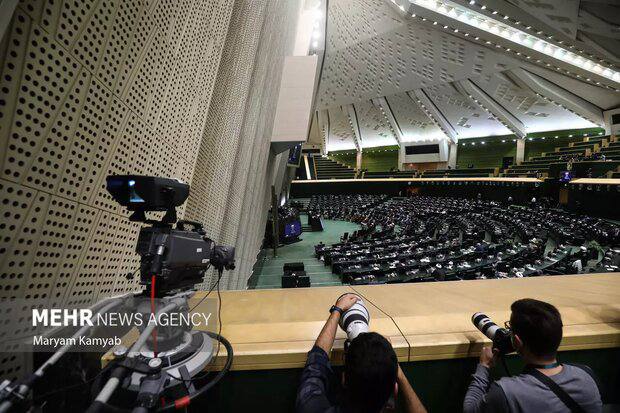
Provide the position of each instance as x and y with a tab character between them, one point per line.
175	258
501	337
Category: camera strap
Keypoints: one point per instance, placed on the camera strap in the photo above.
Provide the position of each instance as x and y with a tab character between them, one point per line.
559	391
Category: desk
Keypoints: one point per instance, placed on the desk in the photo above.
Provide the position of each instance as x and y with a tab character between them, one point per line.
596	181
273	329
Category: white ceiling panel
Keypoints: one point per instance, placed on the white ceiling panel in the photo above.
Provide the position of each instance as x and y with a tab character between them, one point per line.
340	133
562	15
413	122
536	113
385	62
377	53
601	97
467	118
354	21
374	127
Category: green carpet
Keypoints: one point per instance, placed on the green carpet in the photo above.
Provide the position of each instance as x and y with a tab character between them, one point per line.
269	274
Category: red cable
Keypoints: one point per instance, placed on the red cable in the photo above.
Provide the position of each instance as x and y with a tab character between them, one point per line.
154	334
182	402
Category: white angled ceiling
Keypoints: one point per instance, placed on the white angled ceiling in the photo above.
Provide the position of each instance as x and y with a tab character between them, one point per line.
412	121
376	49
374	128
341	134
401	57
563	15
467	118
536	113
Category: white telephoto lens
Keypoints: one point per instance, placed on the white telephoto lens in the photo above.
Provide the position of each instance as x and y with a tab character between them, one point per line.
355	320
356	328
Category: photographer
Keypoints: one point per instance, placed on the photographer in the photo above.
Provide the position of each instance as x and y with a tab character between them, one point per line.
371	373
545	385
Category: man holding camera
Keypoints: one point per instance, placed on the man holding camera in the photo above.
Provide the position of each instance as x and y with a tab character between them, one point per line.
371	372
545	385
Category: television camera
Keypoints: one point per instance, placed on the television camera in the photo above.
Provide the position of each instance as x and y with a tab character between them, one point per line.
162	369
174	258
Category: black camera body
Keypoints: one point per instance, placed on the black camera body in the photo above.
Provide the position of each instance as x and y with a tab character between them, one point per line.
186	256
173	257
501	337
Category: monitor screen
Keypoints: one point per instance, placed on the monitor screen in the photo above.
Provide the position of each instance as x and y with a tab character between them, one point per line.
294	155
421	149
292	229
566	176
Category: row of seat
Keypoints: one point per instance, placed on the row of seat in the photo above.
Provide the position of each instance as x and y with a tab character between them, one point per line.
390	174
434	239
565	157
342	207
461	173
590	149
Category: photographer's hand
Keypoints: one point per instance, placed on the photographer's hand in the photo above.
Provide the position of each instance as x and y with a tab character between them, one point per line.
346	301
325	340
488	356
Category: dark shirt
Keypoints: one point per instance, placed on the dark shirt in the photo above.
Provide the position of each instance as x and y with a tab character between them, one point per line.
318	388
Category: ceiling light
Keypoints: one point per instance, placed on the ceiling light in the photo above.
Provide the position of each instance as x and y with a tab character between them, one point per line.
500	27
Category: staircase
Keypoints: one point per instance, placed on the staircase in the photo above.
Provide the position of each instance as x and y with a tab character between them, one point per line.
329	169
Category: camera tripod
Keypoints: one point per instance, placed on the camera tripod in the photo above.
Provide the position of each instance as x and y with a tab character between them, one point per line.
165	364
149	374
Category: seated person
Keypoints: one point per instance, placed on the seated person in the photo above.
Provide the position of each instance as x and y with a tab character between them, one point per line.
371	373
536	330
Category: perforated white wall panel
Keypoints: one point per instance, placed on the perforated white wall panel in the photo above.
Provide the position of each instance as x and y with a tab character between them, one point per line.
91	88
231	185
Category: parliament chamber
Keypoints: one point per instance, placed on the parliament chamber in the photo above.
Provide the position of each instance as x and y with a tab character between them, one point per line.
191	189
